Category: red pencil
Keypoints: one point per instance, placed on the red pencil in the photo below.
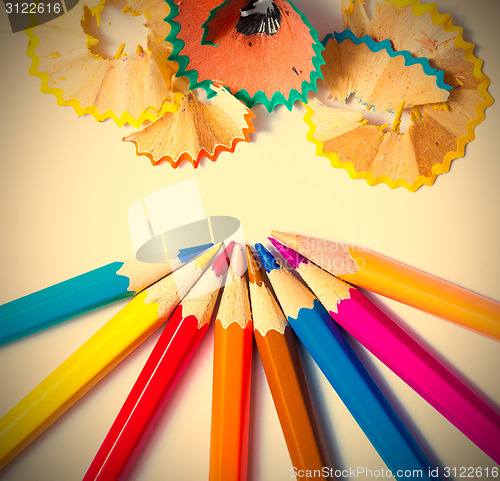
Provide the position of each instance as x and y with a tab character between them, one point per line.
160	374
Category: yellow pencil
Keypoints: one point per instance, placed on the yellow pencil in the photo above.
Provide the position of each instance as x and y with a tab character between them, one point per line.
95	358
390	278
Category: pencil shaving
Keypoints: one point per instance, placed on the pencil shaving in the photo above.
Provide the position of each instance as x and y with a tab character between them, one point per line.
195	131
439	130
377	79
272	67
130	87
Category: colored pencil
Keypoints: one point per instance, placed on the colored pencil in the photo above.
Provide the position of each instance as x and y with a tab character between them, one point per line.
83	293
392	279
232	368
96	357
402	354
158	378
285	376
345	372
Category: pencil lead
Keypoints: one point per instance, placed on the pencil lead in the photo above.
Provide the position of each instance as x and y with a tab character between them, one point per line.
268	260
238	260
187	253
222	262
292	257
254	274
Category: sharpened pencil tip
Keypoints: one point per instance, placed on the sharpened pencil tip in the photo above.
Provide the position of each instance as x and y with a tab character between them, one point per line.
292	257
254	274
238	260
291	240
268	260
222	262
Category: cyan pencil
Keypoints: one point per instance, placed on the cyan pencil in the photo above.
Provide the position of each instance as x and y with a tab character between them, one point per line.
96	357
83	293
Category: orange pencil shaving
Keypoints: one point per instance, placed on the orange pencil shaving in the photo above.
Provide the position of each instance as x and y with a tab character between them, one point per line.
232	375
390	278
285	376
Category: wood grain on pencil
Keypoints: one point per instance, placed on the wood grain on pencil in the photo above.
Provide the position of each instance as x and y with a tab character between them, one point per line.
400	282
232	369
285	376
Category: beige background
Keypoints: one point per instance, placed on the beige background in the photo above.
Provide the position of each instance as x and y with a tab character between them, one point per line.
66	186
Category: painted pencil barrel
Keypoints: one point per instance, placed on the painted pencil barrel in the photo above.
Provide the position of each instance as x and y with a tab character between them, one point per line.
62	301
415	288
147	399
291	397
421	371
75	376
358	391
231	402
323	339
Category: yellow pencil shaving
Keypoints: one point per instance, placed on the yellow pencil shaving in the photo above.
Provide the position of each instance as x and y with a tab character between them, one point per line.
459	80
382	128
350	8
91	40
397	119
415	114
96	12
442	106
120	52
129	9
139	50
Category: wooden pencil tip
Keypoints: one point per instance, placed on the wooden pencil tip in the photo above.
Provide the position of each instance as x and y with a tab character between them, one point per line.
204	259
238	260
222	262
254	274
268	261
292	257
291	240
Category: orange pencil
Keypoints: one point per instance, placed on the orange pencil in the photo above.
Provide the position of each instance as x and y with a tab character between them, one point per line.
232	375
390	278
287	382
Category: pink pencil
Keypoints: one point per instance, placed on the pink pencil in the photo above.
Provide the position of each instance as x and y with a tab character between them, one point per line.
402	354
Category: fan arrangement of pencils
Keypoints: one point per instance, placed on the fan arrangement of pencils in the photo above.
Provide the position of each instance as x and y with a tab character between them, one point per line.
259	298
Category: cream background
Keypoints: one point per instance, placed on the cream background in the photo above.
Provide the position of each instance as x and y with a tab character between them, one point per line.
67	184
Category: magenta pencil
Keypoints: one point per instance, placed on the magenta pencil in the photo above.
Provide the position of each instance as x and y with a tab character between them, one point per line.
402	354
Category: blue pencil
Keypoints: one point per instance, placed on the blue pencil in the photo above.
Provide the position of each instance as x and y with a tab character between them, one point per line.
83	293
345	372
